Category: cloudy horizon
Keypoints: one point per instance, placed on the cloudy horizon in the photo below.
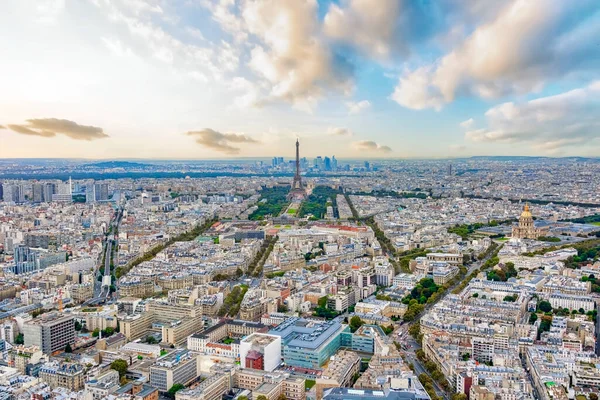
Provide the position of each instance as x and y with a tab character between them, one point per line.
196	79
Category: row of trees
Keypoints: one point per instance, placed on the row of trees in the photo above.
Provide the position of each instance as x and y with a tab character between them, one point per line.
231	304
493	260
491	249
427	292
590	219
545	307
403	264
427	383
150	254
503	273
433	369
383	240
352	209
550	239
255	268
272	275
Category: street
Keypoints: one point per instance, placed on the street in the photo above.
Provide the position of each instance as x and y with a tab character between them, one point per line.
412	345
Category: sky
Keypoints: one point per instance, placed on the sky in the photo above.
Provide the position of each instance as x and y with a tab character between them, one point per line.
205	79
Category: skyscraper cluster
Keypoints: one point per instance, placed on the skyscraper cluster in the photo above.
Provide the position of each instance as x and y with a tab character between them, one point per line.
325	163
16	192
319	163
96	192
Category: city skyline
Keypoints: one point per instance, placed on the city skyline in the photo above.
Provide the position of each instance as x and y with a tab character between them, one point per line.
243	79
300	199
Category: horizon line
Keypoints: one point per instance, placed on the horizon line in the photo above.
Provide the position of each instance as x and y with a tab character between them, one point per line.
291	158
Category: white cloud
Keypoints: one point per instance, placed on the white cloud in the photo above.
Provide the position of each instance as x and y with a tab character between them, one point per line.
48	11
355	107
291	54
337	131
548	124
385	30
527	44
371	146
370	25
223	12
117	48
249	94
415	91
468	123
149	40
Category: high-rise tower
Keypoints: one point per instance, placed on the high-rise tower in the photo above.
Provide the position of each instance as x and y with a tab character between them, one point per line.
297	187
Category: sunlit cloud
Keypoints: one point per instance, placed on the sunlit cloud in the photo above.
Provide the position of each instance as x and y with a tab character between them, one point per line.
221	142
50	127
504	56
371	146
358	106
548	123
337	131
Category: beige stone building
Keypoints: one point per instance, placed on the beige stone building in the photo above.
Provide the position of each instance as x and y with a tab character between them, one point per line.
212	388
136	326
66	375
176	332
82	292
270	384
20	357
136	288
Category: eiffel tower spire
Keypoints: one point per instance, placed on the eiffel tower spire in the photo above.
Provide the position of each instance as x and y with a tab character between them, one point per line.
297	186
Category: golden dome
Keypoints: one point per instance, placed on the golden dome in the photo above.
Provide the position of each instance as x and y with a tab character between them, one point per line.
526	213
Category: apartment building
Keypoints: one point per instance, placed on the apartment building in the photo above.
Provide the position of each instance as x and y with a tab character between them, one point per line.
22	357
176	332
136	326
339	372
166	311
180	366
450	258
82	292
212	388
66	375
277	383
136	287
50	332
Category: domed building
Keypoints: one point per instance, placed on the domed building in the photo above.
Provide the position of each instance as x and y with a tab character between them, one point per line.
526	228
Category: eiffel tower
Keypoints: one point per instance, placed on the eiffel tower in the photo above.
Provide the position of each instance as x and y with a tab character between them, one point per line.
297	191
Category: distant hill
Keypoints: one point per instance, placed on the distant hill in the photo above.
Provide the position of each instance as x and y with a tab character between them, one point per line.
533	158
116	164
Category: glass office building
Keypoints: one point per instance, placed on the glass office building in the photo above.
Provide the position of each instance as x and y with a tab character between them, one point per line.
309	344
